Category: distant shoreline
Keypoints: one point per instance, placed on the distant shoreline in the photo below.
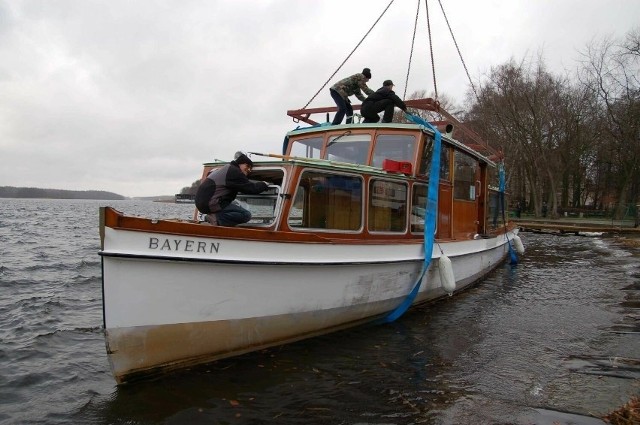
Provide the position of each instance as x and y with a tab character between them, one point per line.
98	195
39	193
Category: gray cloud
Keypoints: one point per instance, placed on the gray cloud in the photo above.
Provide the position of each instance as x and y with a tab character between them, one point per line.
132	97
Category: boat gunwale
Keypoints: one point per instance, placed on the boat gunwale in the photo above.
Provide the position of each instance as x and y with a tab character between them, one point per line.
255	262
420	258
117	220
168	227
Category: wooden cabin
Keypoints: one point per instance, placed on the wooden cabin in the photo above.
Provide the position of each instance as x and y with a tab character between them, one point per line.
370	181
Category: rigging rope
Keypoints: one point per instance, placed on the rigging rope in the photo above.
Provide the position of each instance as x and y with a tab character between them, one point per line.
347	58
458	49
433	64
413	41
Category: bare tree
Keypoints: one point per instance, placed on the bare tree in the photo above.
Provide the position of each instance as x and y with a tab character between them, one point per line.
521	109
631	45
569	142
191	190
610	70
445	101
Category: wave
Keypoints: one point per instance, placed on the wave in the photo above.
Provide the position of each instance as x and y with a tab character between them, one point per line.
85	280
85	264
81	330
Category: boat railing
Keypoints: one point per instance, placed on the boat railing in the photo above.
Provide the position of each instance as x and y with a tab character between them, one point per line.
463	133
426	104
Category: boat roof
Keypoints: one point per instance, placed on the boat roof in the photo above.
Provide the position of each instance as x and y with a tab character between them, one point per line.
319	163
325	127
468	139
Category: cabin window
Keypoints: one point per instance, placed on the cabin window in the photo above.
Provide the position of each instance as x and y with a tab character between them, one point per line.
425	158
387	206
445	155
327	201
395	147
352	149
307	148
464	177
418	207
265	206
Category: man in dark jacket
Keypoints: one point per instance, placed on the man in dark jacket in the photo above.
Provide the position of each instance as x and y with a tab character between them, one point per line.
217	192
384	99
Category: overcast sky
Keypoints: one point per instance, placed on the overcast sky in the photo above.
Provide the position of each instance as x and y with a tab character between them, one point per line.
133	96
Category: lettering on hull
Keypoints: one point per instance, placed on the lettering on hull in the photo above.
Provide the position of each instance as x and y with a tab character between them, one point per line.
183	245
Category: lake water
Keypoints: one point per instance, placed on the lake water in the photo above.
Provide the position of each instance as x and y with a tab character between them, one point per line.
554	339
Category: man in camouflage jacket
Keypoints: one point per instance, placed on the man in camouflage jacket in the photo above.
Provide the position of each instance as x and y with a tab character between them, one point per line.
340	92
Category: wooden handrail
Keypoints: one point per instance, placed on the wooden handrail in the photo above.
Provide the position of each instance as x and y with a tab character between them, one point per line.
463	132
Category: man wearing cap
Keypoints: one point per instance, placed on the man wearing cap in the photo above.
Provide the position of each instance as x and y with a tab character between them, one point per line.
384	99
340	92
216	193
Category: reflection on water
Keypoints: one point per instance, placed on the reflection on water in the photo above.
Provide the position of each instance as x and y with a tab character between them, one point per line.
553	339
620	367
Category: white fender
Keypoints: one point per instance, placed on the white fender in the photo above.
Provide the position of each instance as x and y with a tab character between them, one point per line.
447	280
517	242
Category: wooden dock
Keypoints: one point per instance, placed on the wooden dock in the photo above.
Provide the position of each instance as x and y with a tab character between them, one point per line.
573	227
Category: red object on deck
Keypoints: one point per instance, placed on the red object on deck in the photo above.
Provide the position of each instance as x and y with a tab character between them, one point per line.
396	166
390	165
405	167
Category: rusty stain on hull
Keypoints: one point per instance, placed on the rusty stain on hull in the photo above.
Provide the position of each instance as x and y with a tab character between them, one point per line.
143	351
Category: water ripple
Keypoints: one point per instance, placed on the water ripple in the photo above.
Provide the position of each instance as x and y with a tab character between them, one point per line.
556	333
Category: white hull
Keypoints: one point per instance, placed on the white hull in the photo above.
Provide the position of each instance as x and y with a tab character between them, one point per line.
172	301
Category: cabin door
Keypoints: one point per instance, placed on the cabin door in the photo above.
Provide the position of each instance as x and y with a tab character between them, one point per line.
466	191
444	210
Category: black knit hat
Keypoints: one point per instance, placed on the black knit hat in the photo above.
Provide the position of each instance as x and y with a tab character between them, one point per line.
244	159
367	73
388	83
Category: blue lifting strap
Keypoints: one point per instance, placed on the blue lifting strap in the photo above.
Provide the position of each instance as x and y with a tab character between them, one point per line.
430	218
501	174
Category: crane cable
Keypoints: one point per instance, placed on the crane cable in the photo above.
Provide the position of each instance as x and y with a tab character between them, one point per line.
347	58
433	64
413	41
473	87
458	49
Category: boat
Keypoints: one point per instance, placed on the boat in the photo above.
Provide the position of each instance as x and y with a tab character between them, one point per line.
184	198
360	223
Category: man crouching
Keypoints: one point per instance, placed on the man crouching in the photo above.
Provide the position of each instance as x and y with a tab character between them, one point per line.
216	194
